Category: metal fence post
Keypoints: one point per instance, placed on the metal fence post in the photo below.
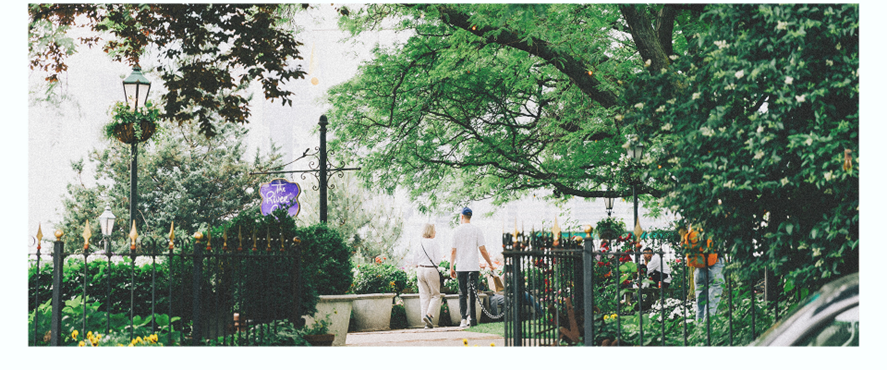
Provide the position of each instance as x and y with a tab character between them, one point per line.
518	300
58	261
588	289
196	335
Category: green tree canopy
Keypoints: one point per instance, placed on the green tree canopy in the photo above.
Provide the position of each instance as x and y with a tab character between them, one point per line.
753	147
206	51
491	100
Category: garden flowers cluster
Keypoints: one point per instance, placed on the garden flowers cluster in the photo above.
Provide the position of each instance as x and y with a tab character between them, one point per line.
676	309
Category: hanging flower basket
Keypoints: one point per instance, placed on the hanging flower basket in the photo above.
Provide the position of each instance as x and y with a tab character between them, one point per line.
130	126
610	228
126	133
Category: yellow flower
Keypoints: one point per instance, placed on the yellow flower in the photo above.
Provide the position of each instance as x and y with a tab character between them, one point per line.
81	344
119	345
492	344
130	345
74	334
89	335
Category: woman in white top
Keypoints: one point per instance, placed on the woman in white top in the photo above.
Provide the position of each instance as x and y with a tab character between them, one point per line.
426	255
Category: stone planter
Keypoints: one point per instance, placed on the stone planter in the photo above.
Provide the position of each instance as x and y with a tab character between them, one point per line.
453	303
411	303
338	307
372	312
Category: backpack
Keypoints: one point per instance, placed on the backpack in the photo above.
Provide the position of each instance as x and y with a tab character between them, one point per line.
698	260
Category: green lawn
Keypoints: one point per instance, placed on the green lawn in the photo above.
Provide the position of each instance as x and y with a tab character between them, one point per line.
497	328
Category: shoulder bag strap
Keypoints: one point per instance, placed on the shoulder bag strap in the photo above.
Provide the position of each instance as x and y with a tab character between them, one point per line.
426	253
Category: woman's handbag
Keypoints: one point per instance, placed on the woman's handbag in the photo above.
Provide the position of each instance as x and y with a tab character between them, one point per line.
439	274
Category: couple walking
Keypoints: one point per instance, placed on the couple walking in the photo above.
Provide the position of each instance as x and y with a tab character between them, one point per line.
468	242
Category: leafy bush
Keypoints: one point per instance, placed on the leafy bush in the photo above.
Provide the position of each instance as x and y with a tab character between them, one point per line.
329	257
399	316
379	278
122	275
96	321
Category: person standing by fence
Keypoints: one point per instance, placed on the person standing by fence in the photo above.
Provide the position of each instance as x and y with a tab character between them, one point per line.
709	273
657	269
467	241
428	278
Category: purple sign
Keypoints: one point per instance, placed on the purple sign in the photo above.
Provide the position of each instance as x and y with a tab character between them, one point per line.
280	193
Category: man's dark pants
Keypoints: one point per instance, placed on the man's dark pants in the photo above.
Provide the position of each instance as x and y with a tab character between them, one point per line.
466	295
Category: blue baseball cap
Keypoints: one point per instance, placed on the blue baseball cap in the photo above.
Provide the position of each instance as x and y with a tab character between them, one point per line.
466	211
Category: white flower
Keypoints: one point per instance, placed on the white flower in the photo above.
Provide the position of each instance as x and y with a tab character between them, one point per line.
740	74
730	87
781	25
249	190
809	141
696	95
639	105
666	127
788	80
801	98
673	57
784	181
660	109
828	176
707	131
829	63
759	154
671	101
722	130
619	117
818	263
663	70
721	44
838	46
647	63
817	252
760	129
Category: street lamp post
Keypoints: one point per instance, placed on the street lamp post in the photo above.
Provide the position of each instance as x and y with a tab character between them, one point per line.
635	153
106	222
135	91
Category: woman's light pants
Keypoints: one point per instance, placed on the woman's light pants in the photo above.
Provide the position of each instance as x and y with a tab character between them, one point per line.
429	290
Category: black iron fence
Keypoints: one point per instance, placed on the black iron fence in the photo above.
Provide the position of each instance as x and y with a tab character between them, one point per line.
195	291
549	285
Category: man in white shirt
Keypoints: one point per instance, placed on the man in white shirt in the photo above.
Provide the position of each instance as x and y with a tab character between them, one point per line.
656	268
465	266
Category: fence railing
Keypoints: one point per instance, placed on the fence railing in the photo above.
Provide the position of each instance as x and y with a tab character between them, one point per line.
224	293
549	285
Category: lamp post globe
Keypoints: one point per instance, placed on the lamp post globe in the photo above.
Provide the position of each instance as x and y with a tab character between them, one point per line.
608	202
136	88
106	221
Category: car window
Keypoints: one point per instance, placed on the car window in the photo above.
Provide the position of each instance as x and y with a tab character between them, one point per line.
842	331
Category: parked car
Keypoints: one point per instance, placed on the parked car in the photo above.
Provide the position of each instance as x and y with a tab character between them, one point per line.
829	317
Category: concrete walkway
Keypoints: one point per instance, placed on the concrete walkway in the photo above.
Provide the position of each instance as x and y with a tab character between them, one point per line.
437	337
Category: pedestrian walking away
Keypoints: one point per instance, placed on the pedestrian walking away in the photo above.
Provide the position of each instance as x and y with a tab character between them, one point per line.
468	240
424	256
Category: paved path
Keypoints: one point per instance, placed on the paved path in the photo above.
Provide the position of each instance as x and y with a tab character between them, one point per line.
437	337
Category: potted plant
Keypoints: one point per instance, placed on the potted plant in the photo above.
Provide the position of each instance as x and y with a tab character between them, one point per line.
610	228
375	286
130	126
317	334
